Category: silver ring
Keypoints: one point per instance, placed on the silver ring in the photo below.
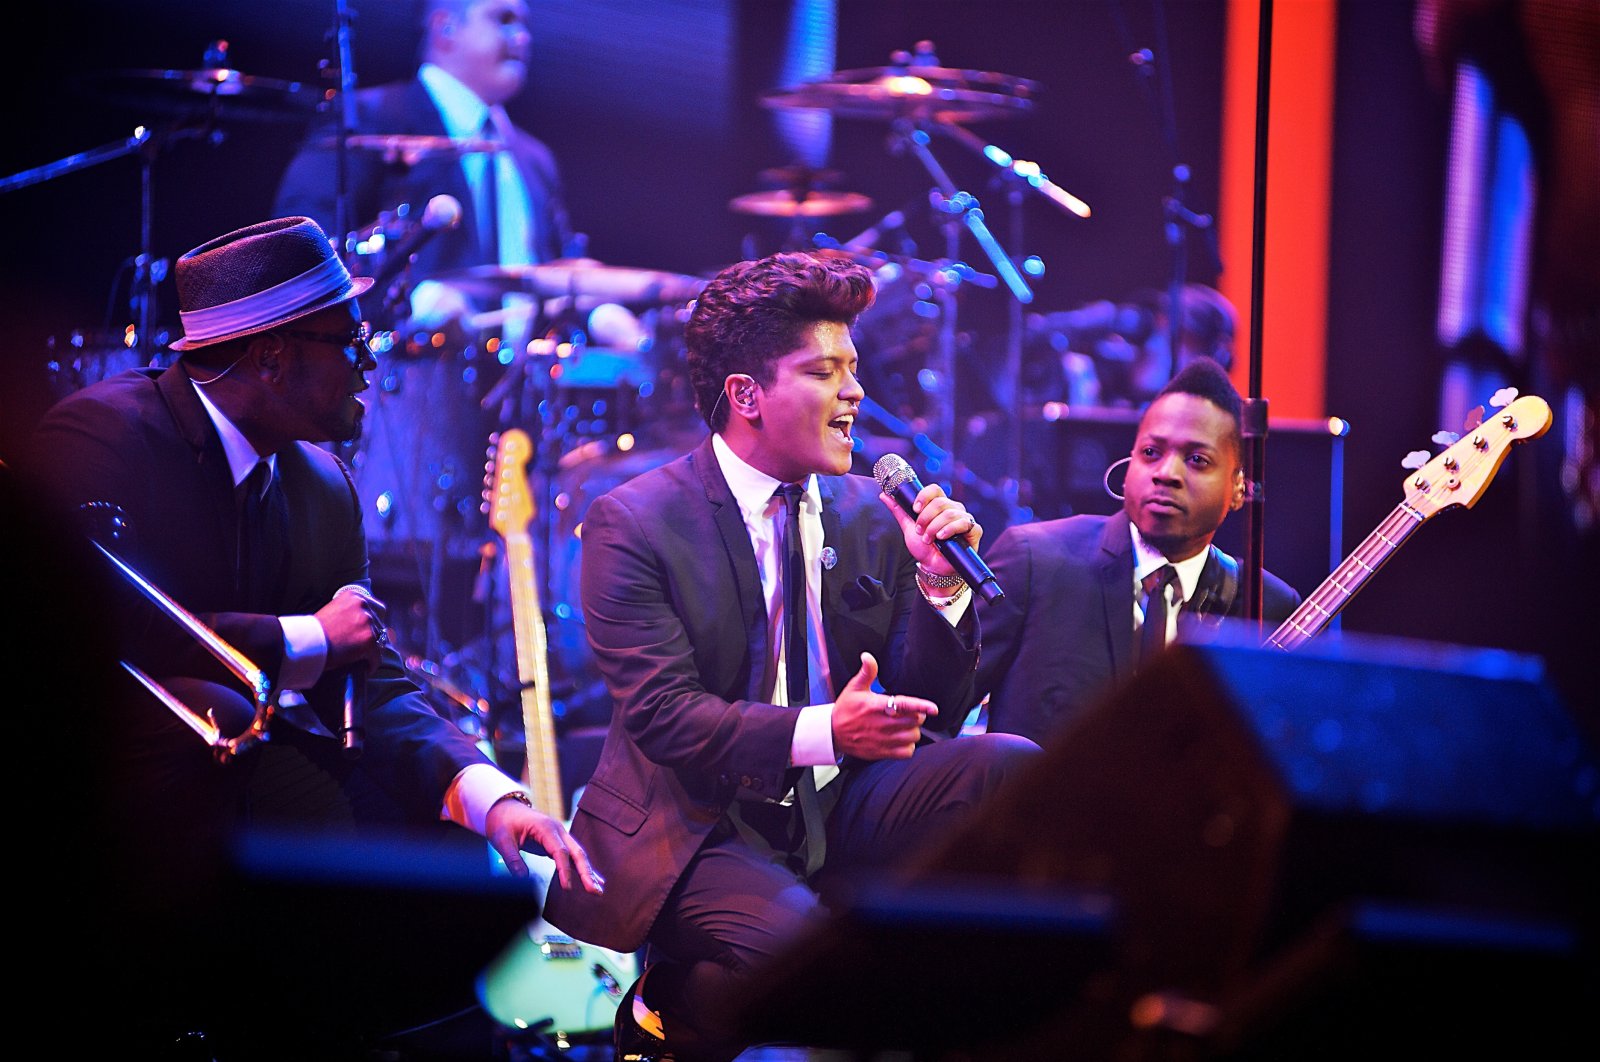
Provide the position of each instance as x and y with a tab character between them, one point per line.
892	708
383	635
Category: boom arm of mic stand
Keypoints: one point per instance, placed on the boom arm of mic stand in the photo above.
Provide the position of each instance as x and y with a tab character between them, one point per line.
966	205
240	665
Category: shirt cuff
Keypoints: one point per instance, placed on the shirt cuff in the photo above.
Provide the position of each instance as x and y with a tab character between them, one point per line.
812	744
473	792
305	646
953	613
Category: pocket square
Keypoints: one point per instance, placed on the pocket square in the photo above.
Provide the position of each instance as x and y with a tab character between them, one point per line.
865	592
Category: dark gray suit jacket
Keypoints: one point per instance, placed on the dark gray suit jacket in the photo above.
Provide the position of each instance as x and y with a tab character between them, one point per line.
673	606
142	440
1063	635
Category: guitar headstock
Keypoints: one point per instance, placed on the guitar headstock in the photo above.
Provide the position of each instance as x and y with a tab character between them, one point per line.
1460	475
505	483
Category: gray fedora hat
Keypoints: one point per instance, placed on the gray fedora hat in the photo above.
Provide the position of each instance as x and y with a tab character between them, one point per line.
259	277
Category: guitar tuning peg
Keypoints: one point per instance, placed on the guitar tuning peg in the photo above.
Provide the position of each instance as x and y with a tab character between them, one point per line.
1502	398
1474	418
1445	438
1416	459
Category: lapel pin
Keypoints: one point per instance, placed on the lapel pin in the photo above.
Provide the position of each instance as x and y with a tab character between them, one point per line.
829	558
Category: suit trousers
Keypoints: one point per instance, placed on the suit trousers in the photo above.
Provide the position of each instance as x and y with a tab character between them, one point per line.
737	909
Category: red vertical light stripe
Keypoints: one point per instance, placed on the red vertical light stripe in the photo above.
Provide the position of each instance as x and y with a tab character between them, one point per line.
1293	346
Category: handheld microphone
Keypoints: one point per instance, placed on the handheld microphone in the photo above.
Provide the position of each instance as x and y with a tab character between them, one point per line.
352	726
896	479
442	212
353	722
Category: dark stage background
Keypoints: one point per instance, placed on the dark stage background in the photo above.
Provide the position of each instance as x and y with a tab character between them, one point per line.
653	112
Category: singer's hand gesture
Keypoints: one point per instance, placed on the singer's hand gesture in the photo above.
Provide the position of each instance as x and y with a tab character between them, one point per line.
938	517
877	726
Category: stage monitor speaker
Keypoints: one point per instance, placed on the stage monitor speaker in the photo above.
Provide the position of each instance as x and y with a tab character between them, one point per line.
1361	846
1284	834
331	944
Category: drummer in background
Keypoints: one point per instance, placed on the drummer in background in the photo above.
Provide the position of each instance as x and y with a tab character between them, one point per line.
1119	355
475	56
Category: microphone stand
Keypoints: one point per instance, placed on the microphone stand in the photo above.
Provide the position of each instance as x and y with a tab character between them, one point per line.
1255	411
347	119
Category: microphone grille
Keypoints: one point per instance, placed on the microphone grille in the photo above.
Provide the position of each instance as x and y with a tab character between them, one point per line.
890	471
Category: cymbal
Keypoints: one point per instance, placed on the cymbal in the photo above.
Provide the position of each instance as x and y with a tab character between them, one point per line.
918	93
576	276
411	147
782	203
219	89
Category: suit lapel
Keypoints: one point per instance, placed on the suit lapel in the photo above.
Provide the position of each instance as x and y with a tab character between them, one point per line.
1116	592
740	557
832	535
195	427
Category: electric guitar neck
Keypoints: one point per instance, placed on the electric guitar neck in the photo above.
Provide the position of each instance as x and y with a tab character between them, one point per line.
1455	479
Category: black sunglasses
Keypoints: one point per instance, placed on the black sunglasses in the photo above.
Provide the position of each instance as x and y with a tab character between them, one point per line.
356	347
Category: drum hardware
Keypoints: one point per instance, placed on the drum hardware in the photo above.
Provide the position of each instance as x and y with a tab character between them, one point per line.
214	92
919	97
576	277
201	99
783	203
409	148
914	87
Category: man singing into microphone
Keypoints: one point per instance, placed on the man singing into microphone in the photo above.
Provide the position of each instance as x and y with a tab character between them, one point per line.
755	765
221	500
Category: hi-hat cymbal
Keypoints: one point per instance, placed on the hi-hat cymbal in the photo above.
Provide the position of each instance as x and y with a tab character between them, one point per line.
410	147
579	277
221	90
782	203
921	93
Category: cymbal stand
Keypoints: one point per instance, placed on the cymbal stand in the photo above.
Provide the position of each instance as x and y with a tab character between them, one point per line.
148	270
1018	175
347	117
959	209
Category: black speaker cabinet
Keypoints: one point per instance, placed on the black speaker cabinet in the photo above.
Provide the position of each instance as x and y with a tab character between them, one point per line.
1359	847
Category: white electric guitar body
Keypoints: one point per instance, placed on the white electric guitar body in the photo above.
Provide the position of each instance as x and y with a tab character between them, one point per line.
543	978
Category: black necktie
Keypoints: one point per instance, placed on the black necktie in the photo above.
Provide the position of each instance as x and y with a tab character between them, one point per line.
796	669
1153	636
489	196
261	539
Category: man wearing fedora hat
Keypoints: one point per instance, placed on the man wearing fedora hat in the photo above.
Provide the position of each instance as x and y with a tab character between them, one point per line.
220	497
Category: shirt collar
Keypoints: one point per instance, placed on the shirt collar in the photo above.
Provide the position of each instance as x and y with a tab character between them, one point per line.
242	457
751	487
1146	559
463	112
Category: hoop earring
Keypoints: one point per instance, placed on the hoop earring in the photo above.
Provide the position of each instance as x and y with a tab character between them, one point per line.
1105	480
